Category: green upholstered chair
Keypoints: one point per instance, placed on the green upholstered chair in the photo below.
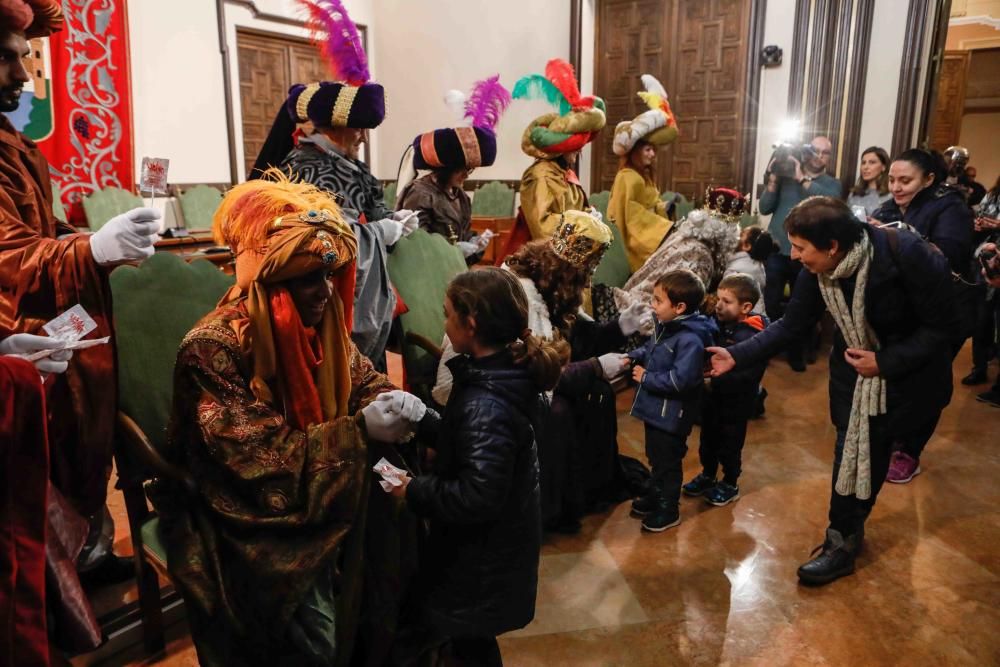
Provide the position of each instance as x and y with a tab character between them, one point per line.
58	210
198	205
613	270
421	266
389	195
599	200
102	205
684	205
493	200
155	305
749	220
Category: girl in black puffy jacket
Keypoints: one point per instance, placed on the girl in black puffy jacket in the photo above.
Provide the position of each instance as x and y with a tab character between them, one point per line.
479	573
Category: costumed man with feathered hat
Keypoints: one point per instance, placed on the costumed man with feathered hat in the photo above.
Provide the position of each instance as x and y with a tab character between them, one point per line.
281	546
450	154
635	204
338	115
549	186
46	268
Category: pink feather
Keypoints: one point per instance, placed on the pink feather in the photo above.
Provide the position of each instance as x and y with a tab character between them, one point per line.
487	102
333	30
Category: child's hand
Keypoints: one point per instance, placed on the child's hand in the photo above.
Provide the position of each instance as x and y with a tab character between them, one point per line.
637	373
400	491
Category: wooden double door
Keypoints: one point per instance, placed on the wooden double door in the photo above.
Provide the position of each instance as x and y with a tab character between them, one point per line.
698	49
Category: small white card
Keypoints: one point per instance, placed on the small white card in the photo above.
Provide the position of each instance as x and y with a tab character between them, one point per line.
72	325
391	475
153	177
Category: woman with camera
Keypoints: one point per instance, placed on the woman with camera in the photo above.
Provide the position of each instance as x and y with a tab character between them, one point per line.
794	173
938	212
890	296
872	188
984	338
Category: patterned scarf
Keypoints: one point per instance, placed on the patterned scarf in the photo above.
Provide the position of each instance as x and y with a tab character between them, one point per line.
854	476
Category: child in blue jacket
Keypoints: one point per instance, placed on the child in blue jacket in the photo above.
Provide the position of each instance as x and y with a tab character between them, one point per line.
669	370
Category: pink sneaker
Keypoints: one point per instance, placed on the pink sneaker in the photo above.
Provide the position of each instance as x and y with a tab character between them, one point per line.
902	468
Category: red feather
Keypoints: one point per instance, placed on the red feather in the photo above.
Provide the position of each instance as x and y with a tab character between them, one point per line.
562	76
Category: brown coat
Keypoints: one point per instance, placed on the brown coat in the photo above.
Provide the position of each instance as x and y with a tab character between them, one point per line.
40	277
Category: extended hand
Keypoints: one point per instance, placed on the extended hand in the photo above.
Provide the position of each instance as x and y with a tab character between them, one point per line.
637	373
634	318
722	362
400	491
863	361
126	237
409	219
24	344
404	404
613	364
382	423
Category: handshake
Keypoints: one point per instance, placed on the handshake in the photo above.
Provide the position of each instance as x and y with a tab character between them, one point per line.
393	416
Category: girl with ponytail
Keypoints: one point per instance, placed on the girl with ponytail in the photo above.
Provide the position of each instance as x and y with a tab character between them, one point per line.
480	574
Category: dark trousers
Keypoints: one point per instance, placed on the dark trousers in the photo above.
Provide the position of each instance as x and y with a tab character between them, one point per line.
722	443
848	513
476	652
781	270
665	452
984	337
913	441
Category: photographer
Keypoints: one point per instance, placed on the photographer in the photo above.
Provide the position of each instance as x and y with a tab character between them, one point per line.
793	174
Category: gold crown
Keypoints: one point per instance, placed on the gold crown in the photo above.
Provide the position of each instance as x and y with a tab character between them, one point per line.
726	203
581	239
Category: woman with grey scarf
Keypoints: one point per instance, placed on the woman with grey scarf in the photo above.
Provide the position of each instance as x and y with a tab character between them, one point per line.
889	293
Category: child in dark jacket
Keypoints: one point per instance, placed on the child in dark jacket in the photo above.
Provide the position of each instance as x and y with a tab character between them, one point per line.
730	400
669	370
479	573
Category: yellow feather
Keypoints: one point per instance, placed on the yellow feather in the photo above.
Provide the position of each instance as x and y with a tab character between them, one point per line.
652	100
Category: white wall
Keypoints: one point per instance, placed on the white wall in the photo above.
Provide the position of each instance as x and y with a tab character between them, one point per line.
882	82
179	107
772	115
426	48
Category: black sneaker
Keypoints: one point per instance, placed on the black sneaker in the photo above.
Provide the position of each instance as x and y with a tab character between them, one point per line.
758	406
699	486
660	519
644	505
977	376
835	560
722	494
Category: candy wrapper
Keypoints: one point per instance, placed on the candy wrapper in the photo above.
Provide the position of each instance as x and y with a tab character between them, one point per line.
391	475
72	325
153	177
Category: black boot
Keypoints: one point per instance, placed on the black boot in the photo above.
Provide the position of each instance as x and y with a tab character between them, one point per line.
836	559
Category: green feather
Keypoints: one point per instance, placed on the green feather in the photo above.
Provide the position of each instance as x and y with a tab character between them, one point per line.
537	87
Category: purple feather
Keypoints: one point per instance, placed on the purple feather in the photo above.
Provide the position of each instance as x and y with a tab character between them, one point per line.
486	102
332	28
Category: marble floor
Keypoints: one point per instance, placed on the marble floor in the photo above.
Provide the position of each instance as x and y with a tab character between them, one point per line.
720	589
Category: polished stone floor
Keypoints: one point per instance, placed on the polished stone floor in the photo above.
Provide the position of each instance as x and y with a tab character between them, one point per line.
720	589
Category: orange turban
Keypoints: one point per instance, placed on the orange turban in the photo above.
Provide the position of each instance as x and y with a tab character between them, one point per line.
35	18
280	230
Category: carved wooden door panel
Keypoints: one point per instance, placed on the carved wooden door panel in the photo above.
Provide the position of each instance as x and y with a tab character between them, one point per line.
268	66
698	50
946	121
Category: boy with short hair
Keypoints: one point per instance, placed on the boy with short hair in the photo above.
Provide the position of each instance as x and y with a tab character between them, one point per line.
730	399
669	370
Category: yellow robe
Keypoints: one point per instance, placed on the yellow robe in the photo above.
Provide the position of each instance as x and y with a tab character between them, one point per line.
636	208
547	191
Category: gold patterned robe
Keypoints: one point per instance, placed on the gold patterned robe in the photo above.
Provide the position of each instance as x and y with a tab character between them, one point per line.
546	191
275	507
636	208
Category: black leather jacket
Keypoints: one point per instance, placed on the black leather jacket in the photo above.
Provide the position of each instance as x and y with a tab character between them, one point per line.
480	571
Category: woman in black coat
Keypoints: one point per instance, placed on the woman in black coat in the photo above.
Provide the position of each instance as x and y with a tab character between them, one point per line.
939	213
479	573
877	384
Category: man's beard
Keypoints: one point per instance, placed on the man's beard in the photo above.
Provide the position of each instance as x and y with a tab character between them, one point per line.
10	99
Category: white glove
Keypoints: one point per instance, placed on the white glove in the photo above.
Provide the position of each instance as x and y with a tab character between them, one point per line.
404	404
468	248
483	240
631	319
126	237
613	364
392	230
411	223
401	214
597	214
647	325
23	343
382	423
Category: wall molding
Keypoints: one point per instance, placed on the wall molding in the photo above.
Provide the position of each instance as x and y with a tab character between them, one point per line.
910	70
251	6
751	105
992	21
